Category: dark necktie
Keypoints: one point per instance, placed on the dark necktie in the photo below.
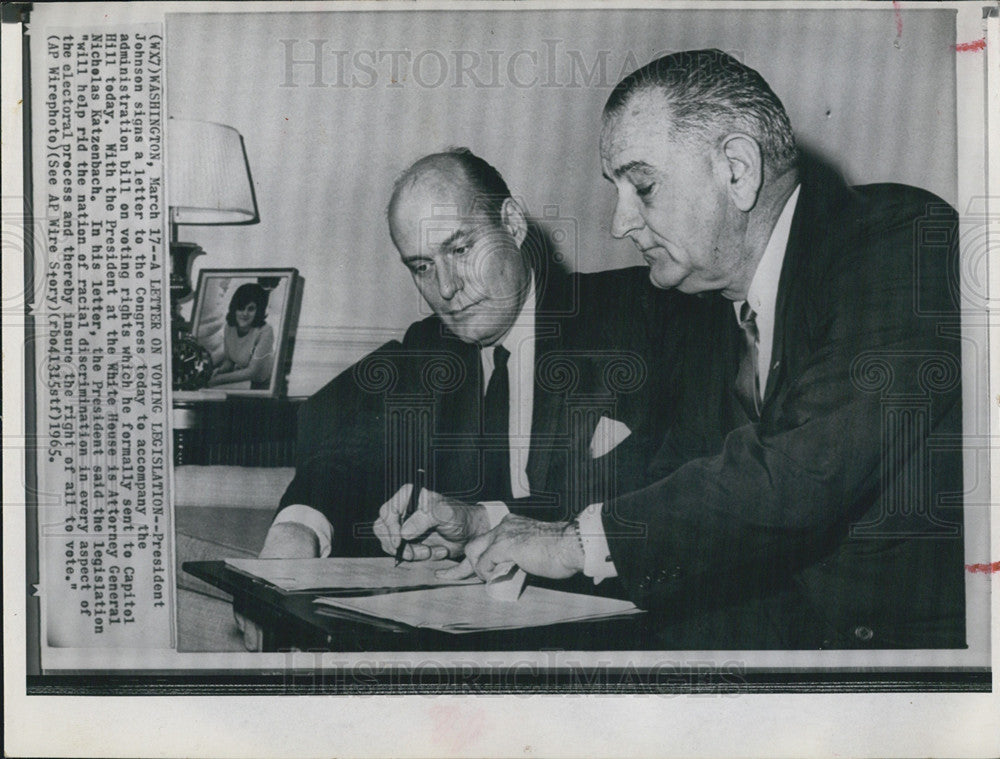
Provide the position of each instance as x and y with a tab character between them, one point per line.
747	381
496	416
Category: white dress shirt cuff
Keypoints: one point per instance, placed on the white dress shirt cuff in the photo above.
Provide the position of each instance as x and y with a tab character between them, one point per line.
495	512
309	517
596	554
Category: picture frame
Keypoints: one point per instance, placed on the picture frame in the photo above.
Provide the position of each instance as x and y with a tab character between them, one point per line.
250	353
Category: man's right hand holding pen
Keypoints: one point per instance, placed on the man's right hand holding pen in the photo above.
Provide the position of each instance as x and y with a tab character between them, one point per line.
439	528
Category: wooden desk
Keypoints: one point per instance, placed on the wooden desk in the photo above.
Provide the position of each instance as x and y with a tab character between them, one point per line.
290	620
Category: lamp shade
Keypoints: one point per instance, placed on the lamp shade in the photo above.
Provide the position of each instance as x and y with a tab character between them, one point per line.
208	174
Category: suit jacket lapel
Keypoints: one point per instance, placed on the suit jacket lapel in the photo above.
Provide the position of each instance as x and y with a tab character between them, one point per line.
456	419
810	223
548	406
781	305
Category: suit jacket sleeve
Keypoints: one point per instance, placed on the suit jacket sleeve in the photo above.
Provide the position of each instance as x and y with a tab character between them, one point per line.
340	452
862	311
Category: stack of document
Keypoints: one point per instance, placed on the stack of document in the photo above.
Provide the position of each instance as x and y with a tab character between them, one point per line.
375	591
347	576
471	609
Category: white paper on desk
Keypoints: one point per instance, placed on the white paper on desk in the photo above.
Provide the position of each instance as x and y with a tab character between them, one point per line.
470	609
506	583
376	574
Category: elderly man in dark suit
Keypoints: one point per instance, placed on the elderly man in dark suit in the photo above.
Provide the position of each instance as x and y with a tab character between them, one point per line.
528	389
828	513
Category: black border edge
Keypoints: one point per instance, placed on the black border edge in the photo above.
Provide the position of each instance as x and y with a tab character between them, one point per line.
19	13
14	13
374	680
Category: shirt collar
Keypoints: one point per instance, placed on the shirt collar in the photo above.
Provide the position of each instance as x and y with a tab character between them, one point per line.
762	295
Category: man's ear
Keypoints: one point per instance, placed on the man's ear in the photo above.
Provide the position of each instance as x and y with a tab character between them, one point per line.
744	169
513	219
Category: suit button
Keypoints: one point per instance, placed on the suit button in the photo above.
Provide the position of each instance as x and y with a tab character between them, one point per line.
863	633
645	582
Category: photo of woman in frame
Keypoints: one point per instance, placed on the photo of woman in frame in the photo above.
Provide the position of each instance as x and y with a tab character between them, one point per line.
248	340
241	317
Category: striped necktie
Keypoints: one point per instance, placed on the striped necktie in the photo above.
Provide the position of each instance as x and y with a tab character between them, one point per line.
747	380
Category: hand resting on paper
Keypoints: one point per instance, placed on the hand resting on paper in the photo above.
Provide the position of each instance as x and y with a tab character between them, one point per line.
440	527
546	549
285	540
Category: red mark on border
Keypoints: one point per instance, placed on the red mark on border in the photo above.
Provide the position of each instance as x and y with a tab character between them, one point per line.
985	569
899	18
971	47
457	727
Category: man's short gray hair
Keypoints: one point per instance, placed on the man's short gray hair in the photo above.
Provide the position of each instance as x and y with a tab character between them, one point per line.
711	94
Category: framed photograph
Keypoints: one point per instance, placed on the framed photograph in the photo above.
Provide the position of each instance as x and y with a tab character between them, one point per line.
244	319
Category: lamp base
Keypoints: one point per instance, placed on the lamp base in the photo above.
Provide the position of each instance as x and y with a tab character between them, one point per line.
192	364
181	256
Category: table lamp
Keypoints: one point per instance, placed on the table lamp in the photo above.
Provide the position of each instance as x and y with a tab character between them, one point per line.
208	183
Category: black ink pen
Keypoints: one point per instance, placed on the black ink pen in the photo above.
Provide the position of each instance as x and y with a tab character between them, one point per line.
411	508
